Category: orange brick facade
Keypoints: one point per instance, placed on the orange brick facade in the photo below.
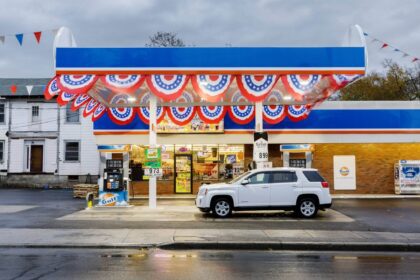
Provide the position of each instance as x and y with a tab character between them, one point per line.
374	166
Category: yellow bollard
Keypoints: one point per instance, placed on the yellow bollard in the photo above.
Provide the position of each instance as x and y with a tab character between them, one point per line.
89	200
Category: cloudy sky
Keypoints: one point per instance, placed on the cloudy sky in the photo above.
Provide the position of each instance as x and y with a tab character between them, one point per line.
128	23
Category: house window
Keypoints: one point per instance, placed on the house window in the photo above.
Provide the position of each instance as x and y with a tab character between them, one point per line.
72	151
35	113
1	113
71	116
1	150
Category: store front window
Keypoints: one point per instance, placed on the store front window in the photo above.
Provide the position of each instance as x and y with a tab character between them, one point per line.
189	165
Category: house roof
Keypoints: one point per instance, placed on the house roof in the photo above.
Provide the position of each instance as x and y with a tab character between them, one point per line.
21	84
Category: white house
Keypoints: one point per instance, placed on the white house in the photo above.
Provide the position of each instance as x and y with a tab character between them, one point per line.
41	143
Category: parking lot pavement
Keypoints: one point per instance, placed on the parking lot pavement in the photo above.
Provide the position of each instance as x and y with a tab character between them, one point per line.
55	209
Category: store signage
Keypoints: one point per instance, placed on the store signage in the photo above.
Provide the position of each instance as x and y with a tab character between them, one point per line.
153	158
153	172
264	165
344	172
260	146
407	177
297	148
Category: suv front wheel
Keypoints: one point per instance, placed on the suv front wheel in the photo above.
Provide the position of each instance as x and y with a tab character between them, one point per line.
221	208
306	208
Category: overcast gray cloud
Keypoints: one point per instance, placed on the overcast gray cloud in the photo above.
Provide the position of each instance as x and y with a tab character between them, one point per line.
128	23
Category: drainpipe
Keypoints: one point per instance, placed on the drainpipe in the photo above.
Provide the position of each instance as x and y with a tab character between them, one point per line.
58	140
9	105
152	143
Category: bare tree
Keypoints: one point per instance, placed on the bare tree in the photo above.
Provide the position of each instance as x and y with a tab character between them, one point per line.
165	39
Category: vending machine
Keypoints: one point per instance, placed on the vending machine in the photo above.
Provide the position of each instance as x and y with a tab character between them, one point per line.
113	183
407	177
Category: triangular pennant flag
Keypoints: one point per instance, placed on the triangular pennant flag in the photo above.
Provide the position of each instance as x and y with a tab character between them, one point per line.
29	89
19	37
13	89
375	40
415	59
384	45
405	54
2	38
396	50
38	36
364	33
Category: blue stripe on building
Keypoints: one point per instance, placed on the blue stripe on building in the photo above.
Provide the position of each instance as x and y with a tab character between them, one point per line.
320	57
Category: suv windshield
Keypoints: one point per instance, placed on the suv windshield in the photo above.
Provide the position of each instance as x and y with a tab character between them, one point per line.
237	179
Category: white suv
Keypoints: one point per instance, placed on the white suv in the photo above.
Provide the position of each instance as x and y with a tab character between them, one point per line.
300	189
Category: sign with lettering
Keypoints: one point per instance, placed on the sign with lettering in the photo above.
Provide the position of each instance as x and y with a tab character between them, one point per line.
260	153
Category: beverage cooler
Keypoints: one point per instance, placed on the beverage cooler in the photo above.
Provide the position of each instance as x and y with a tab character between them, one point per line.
407	177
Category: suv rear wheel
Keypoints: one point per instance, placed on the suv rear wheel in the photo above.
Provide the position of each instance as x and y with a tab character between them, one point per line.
222	207
306	207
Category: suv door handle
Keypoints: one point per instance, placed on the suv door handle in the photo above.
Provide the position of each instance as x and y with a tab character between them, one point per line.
264	187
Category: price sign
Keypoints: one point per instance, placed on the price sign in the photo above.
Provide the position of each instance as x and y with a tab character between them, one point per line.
153	172
260	147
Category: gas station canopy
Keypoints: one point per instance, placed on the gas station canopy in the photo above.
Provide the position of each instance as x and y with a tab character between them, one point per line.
209	82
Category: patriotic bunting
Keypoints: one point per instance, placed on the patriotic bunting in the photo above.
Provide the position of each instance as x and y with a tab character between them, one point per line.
123	83
256	87
273	114
242	114
81	100
299	85
211	114
52	89
98	113
340	80
38	36
76	84
182	115
65	97
385	45
19	37
144	112
121	115
90	107
211	87
297	112
167	87
29	89
13	89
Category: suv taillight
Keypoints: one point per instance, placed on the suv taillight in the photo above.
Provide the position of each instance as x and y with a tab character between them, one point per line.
325	185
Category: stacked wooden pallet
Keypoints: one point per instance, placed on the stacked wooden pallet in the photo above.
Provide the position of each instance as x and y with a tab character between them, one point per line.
81	190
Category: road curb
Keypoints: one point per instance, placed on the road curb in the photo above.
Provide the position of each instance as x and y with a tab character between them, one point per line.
260	246
295	246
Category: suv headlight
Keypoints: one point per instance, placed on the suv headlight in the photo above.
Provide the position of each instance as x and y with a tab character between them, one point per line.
203	191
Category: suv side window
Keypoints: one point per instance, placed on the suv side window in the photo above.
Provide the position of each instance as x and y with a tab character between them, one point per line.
283	177
259	178
313	176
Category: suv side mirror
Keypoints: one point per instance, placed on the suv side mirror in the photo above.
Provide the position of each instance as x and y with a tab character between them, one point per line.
245	182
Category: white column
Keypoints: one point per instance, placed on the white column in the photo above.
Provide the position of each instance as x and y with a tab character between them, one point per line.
152	143
258	117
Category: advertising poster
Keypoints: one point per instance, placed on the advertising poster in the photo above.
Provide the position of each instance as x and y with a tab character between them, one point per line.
112	198
345	172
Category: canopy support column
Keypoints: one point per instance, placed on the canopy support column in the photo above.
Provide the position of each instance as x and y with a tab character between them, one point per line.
152	143
259	117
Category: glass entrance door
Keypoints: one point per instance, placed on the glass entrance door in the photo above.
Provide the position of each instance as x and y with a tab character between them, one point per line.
183	174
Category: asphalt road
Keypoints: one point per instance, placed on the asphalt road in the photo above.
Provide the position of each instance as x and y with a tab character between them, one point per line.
392	215
158	264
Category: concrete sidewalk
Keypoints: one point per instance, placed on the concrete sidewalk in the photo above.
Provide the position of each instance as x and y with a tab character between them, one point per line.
210	239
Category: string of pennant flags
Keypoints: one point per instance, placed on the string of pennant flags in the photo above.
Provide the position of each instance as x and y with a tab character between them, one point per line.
385	45
37	35
14	88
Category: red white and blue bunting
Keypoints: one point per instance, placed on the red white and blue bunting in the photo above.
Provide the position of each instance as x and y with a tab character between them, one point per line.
65	97
144	112
167	87
297	112
90	107
52	89
121	115
241	114
76	84
98	113
299	85
211	114
273	114
182	115
123	83
81	100
211	88
256	87
340	80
